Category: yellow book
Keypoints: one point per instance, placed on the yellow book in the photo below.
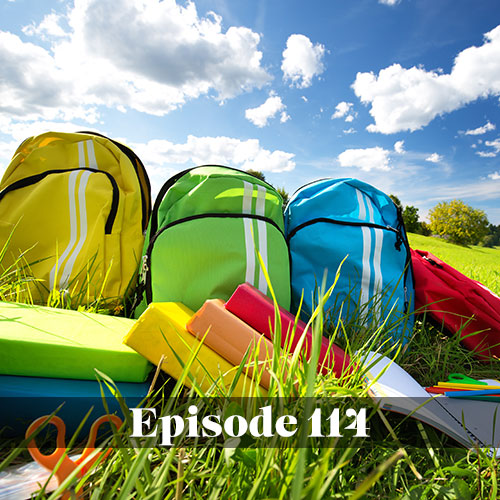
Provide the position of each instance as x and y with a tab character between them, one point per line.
161	330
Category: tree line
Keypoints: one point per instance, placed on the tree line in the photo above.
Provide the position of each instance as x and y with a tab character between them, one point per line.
453	220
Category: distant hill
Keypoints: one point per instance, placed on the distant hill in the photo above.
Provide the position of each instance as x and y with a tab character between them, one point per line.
479	263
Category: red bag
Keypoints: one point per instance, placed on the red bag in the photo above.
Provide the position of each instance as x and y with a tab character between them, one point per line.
454	300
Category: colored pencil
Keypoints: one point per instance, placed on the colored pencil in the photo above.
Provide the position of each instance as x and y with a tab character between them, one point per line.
459	394
465	387
493	399
440	390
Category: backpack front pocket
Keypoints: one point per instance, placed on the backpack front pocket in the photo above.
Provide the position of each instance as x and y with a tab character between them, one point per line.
60	220
208	256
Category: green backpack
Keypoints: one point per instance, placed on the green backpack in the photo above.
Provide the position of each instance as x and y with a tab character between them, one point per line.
206	227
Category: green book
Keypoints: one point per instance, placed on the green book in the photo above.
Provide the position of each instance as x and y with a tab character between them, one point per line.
39	341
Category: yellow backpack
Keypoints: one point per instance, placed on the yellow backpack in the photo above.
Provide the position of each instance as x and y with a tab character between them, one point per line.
75	206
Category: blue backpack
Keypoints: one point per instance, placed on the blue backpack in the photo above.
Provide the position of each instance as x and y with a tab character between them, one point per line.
332	219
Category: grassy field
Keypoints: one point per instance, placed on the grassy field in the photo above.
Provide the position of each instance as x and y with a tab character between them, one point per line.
479	263
402	459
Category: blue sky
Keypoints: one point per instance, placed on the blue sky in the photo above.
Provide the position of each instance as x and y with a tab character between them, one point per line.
401	94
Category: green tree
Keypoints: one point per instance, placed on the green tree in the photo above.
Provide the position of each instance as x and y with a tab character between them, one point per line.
459	222
281	190
410	218
425	229
284	195
492	239
396	201
257	173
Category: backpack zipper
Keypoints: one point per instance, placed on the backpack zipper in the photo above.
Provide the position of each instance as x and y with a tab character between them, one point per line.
145	272
399	241
174	179
33	179
399	237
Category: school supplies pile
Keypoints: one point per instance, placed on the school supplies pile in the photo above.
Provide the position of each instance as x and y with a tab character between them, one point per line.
460	304
75	205
220	336
472	423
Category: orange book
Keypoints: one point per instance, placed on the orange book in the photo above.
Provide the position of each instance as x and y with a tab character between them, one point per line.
230	337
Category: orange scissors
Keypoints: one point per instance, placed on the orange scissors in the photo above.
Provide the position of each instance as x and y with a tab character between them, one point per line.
59	456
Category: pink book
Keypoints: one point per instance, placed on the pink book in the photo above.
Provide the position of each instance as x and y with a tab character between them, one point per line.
257	310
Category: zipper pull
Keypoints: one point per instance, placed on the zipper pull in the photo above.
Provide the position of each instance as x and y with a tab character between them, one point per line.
144	270
406	304
399	238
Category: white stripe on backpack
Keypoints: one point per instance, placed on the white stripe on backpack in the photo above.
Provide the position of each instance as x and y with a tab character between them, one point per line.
77	207
367	244
260	209
68	268
251	255
247	225
377	253
72	224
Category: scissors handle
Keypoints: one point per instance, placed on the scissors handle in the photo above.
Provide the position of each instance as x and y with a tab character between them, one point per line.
464	379
66	466
90	446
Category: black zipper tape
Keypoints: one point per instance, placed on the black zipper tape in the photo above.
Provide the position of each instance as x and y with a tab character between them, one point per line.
147	256
174	179
400	240
33	179
343	223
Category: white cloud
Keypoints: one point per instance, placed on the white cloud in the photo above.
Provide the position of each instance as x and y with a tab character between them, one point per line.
481	130
486	154
49	27
302	61
495	176
389	2
304	98
244	154
20	130
164	57
342	109
399	147
367	159
261	115
434	158
492	144
349	131
284	117
408	99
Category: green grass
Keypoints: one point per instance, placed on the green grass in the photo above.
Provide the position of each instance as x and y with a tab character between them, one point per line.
479	263
403	459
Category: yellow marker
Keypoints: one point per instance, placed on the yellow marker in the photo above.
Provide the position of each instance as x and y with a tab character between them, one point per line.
451	385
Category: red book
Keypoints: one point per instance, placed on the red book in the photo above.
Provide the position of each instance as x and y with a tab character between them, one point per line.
257	310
